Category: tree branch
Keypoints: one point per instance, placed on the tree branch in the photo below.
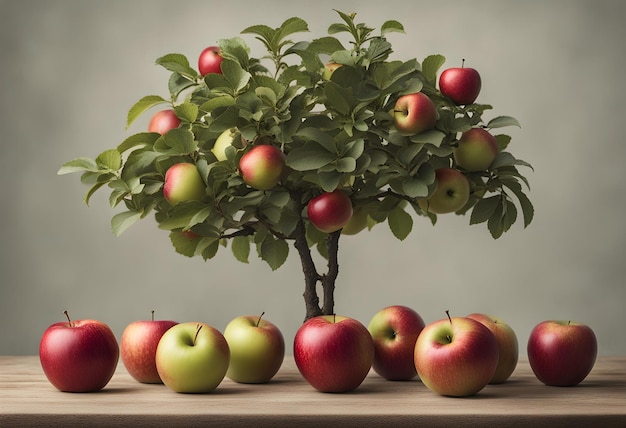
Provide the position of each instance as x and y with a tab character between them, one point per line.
328	280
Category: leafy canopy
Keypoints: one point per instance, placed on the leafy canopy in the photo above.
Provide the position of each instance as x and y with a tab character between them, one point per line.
335	133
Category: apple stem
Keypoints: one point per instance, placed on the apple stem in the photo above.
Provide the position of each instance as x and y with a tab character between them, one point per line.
68	318
152	314
463	63
259	320
198	328
448	314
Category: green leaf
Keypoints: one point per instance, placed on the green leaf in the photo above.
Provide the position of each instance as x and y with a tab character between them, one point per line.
78	165
325	45
177	141
308	157
391	26
400	222
122	221
183	243
142	139
291	26
274	251
177	63
494	224
505	159
109	159
339	98
502	121
432	137
187	111
241	248
503	141
415	187
484	209
141	106
236	75
430	67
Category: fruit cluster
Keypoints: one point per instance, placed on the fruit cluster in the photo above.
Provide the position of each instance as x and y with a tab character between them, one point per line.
454	356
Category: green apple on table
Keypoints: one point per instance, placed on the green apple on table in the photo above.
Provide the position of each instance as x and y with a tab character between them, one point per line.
508	348
257	349
192	357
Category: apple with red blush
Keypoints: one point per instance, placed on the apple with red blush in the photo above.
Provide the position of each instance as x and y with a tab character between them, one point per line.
461	84
210	61
162	121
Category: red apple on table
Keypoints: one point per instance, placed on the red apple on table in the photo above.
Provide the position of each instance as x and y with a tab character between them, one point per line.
477	150
257	349
192	357
414	113
456	356
183	183
138	348
262	166
451	194
79	356
333	353
508	348
330	211
562	353
210	61
394	330
162	121
460	84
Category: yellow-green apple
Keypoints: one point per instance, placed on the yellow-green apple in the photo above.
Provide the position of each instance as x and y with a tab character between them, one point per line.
138	348
508	348
257	349
414	113
333	353
78	356
329	69
330	211
210	61
562	353
460	84
192	357
451	194
394	330
183	183
477	150
224	140
261	167
162	121
357	222
456	356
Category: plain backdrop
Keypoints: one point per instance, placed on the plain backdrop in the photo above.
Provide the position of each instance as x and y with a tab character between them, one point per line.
71	69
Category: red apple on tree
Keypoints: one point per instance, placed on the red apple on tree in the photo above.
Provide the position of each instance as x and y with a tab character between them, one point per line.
78	356
162	121
451	194
562	353
262	166
257	349
192	357
508	349
330	211
333	353
477	150
394	330
138	348
456	356
210	60
183	183
414	113
460	84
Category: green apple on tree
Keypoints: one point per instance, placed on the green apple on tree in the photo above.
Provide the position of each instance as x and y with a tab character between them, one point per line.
192	357
262	166
329	69
451	194
257	349
477	150
183	183
224	140
414	113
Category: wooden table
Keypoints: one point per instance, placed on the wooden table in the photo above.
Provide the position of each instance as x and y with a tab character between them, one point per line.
27	399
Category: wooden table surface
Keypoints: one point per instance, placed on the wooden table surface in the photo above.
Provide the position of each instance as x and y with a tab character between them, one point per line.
27	399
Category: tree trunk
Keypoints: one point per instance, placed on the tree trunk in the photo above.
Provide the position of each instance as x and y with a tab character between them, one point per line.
312	277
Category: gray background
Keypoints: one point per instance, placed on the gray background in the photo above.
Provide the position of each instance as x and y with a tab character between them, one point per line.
71	69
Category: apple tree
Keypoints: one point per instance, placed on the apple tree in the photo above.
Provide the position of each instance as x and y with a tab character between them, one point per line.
337	109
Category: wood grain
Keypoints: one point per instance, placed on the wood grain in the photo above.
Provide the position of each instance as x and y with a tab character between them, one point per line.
27	399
